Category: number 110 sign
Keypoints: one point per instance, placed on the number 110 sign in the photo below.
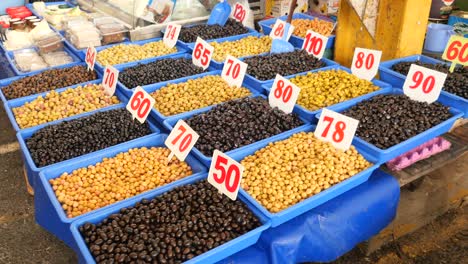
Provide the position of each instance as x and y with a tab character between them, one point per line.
336	128
225	174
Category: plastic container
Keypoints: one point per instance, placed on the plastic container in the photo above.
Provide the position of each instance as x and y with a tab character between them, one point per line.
12	59
8	81
100	67
186	44
397	80
218	65
216	254
25	60
384	155
310	115
128	91
437	37
32	170
170	123
267	26
311	202
50	214
86	38
256	83
154	87
50	43
112	33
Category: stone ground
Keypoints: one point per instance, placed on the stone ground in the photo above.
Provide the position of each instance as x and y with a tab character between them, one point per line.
445	240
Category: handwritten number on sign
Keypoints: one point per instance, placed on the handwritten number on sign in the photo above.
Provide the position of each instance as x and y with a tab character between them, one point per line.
458	50
239	13
313	44
226	176
235	69
140	104
285	94
340	126
427	83
369	60
185	141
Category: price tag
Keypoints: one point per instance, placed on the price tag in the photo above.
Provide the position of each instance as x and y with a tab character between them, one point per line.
171	35
315	44
90	58
181	140
283	94
336	128
234	71
277	31
225	174
140	104
423	84
202	53
366	63
456	51
240	12
109	80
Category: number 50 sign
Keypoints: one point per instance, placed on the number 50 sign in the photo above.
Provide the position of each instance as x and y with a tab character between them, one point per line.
225	174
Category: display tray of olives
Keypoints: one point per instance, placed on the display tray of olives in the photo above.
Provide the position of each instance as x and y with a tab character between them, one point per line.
205	227
178	49
157	70
122	172
329	88
455	90
391	124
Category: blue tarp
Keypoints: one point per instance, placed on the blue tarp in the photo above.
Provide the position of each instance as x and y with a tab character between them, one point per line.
330	230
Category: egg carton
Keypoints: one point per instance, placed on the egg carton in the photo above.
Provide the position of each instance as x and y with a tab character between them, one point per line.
424	151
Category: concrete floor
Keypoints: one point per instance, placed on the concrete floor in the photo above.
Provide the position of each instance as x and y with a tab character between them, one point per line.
23	241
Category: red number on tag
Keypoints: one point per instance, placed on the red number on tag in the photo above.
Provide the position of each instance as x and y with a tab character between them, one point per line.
457	49
200	51
90	58
235	70
140	104
279	30
110	78
369	60
225	176
171	32
239	13
313	44
340	126
285	94
427	83
185	141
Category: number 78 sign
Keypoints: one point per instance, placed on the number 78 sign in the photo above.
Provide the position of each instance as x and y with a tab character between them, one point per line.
336	128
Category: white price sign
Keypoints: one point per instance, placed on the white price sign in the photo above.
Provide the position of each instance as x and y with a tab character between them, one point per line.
202	53
140	104
90	58
171	35
225	174
315	44
283	94
278	30
234	71
366	63
240	12
181	140
423	84
336	128
109	80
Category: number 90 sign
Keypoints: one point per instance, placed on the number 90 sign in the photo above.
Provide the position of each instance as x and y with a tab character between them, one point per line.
225	174
140	104
423	84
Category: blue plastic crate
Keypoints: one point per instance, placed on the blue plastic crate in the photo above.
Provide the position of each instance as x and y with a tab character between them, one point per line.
180	50
249	79
315	200
384	155
21	101
397	80
170	123
32	170
186	44
129	91
310	115
267	26
50	214
219	64
11	60
216	254
8	81
154	87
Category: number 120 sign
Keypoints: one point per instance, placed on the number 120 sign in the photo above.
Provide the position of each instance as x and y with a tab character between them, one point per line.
423	84
225	174
336	128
